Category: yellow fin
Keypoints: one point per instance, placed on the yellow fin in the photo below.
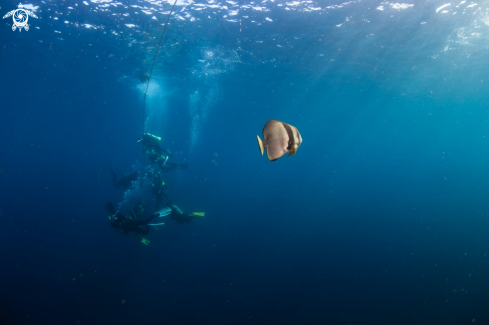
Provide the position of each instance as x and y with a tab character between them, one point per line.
197	214
260	144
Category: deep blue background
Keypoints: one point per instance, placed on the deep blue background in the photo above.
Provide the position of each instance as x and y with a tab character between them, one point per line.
380	217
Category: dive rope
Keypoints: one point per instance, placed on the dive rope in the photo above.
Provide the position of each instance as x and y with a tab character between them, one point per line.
151	71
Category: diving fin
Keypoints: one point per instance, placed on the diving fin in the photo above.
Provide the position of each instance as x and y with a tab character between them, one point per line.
164	212
197	214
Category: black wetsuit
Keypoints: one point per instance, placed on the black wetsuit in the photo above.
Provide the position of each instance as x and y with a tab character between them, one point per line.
158	155
151	145
128	223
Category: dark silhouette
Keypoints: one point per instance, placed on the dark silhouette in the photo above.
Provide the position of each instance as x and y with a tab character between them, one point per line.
138	222
144	77
158	155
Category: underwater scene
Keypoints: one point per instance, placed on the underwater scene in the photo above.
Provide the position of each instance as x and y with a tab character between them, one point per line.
244	162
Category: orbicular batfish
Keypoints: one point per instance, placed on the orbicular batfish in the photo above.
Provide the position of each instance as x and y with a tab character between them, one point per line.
280	138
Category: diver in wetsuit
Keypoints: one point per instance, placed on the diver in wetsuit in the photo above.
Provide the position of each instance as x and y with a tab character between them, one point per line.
152	147
158	155
134	223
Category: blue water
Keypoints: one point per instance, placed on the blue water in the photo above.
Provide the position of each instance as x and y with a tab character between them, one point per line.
380	217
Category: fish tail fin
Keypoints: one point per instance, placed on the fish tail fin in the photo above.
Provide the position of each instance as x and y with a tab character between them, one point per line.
261	145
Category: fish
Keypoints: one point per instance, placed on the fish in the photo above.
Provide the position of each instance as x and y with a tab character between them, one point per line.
280	138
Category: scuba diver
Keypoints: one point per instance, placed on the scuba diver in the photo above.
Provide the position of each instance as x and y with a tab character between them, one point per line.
134	223
126	180
151	144
158	155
